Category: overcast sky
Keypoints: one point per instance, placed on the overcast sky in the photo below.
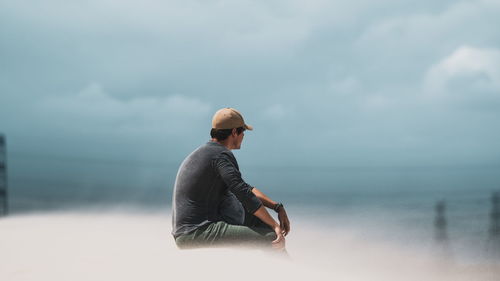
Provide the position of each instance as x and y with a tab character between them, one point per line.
322	82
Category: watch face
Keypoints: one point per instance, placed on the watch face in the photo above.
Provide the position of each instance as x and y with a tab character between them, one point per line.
278	206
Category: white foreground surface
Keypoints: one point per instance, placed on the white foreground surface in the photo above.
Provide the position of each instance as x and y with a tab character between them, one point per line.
125	246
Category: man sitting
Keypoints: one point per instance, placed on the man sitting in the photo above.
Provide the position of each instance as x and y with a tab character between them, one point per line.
212	205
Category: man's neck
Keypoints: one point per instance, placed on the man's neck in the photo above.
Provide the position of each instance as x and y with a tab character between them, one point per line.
225	143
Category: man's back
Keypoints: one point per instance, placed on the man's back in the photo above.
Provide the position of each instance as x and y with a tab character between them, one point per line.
203	180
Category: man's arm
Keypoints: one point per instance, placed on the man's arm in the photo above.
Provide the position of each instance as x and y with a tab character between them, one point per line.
231	176
268	202
244	192
264	216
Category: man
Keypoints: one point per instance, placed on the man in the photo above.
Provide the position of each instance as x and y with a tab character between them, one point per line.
212	205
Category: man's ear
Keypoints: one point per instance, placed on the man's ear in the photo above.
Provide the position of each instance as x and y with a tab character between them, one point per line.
233	132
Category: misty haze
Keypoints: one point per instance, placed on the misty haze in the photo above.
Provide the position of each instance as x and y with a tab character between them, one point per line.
375	123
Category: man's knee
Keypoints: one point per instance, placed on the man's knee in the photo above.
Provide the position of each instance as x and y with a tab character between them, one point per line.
182	243
270	236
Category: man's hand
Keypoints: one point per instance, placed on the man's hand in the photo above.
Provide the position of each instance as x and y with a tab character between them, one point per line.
279	243
263	215
284	222
282	216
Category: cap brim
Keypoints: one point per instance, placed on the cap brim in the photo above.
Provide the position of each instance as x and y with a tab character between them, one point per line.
248	127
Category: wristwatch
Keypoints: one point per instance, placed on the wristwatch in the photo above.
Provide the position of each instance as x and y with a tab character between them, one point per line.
277	207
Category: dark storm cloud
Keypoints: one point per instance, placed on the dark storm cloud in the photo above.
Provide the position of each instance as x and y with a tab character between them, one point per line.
337	83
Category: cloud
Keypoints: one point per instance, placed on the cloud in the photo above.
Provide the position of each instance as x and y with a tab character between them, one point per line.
468	74
346	86
334	67
399	48
277	112
93	108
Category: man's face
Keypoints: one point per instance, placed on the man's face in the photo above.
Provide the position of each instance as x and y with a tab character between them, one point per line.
238	139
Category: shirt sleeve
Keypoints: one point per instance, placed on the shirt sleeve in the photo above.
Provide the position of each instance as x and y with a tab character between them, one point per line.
232	178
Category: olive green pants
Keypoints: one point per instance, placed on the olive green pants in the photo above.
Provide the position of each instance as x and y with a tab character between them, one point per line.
254	233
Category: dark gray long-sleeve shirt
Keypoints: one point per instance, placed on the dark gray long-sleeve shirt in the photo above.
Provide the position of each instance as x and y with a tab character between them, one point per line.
202	182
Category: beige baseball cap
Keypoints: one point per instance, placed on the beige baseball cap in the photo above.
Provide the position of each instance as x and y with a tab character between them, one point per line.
228	118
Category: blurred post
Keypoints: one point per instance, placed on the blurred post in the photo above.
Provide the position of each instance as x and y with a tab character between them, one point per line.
440	223
3	177
494	231
442	249
495	216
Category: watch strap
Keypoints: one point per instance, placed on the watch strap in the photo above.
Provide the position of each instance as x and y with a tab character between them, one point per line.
277	207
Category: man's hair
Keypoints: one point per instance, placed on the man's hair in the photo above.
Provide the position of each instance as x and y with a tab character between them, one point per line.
222	134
